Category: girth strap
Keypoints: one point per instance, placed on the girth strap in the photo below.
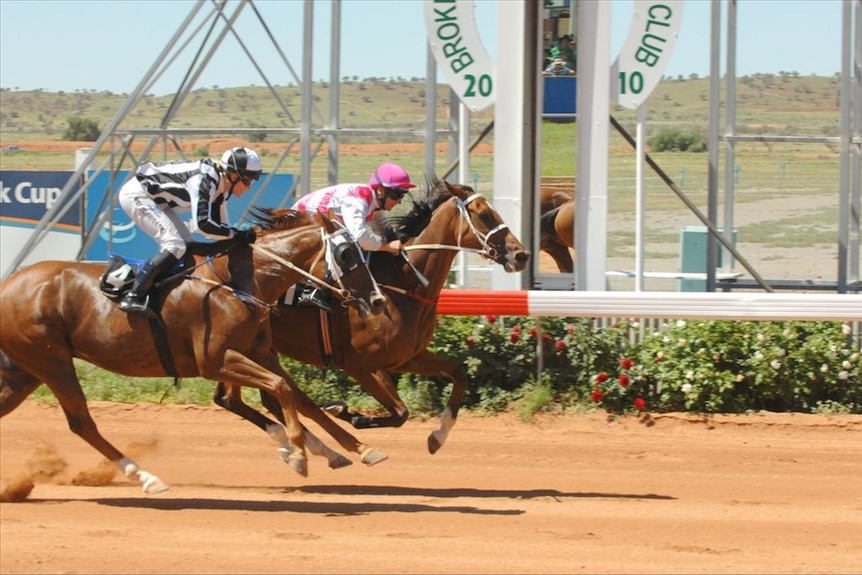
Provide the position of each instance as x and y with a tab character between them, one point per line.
160	337
325	340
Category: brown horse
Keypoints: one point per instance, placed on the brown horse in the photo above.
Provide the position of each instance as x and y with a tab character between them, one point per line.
450	219
217	327
557	226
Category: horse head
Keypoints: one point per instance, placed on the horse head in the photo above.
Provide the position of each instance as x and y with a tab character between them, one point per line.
320	249
482	228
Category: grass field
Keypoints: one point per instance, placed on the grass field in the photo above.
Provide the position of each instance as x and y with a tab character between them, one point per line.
785	200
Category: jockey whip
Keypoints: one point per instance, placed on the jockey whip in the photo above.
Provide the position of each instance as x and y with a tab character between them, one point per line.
422	279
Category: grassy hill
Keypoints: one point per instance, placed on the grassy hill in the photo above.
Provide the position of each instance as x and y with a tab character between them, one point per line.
778	103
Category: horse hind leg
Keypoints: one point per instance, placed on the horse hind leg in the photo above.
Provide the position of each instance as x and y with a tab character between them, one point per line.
63	382
381	387
16	385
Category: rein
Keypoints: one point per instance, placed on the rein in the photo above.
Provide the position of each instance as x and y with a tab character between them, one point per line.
247	297
410	294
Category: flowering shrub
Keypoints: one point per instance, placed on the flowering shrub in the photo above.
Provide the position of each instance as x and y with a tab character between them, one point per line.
696	366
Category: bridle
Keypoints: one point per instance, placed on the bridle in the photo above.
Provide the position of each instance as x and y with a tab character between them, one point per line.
487	251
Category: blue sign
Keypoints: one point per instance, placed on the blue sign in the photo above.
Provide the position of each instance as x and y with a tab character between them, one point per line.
25	198
561	96
119	234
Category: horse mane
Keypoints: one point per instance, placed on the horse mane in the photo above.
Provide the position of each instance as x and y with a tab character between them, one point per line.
267	220
403	226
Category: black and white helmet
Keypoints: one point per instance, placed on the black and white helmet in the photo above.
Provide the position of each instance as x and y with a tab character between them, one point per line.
243	161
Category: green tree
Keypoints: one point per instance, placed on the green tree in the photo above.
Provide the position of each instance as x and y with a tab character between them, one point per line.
81	130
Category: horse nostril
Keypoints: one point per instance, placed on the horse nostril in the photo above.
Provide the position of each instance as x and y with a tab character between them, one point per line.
378	303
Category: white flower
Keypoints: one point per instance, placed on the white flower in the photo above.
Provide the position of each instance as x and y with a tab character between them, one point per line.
716	356
680	323
776	365
686	388
659	355
781	352
843	374
845	364
758	355
665	339
682	342
846	329
786	332
635	324
824	368
689	375
740	378
854	357
760	337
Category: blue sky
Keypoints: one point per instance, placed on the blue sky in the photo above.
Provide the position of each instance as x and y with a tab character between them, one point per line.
110	45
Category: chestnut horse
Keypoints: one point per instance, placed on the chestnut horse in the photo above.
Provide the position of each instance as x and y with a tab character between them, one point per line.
557	226
451	218
217	327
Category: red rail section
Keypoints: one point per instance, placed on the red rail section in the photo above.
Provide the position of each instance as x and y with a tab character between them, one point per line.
482	302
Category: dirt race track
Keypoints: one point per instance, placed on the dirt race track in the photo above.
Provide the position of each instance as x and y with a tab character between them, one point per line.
761	493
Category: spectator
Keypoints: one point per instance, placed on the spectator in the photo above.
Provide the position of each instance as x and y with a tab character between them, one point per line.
567	50
558	68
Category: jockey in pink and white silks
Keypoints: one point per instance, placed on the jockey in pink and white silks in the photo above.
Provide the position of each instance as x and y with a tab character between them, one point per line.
360	207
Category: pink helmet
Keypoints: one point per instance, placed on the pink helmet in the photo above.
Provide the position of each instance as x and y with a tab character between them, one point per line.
390	176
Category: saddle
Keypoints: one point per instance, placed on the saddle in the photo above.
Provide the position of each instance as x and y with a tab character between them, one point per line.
120	274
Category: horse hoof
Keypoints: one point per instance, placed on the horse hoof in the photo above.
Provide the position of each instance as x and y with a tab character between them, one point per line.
433	444
299	465
339	462
154	485
371	456
335	408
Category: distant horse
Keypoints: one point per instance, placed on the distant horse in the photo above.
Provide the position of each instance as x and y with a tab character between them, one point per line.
557	226
217	326
450	219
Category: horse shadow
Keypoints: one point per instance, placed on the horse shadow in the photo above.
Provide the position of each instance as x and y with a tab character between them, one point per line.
342	508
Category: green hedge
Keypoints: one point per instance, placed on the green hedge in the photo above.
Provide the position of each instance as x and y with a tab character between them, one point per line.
694	366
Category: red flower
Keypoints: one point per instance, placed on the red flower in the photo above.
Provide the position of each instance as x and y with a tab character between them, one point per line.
514	336
626	363
532	332
470	341
546	337
602	377
492	318
570	328
596	395
640	404
516	328
560	345
624	380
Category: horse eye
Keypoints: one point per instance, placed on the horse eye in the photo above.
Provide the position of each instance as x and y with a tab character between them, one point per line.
488	219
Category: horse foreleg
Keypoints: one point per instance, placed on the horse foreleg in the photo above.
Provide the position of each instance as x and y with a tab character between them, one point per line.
427	363
315	444
367	454
242	371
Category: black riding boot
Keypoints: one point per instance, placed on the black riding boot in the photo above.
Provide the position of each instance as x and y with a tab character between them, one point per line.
137	299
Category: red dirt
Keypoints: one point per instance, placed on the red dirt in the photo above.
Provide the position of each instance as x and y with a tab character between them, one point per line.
760	493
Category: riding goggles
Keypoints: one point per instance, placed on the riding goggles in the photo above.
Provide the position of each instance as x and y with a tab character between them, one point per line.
396	193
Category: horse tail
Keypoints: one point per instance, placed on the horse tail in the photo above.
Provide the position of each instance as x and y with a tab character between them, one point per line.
15	384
